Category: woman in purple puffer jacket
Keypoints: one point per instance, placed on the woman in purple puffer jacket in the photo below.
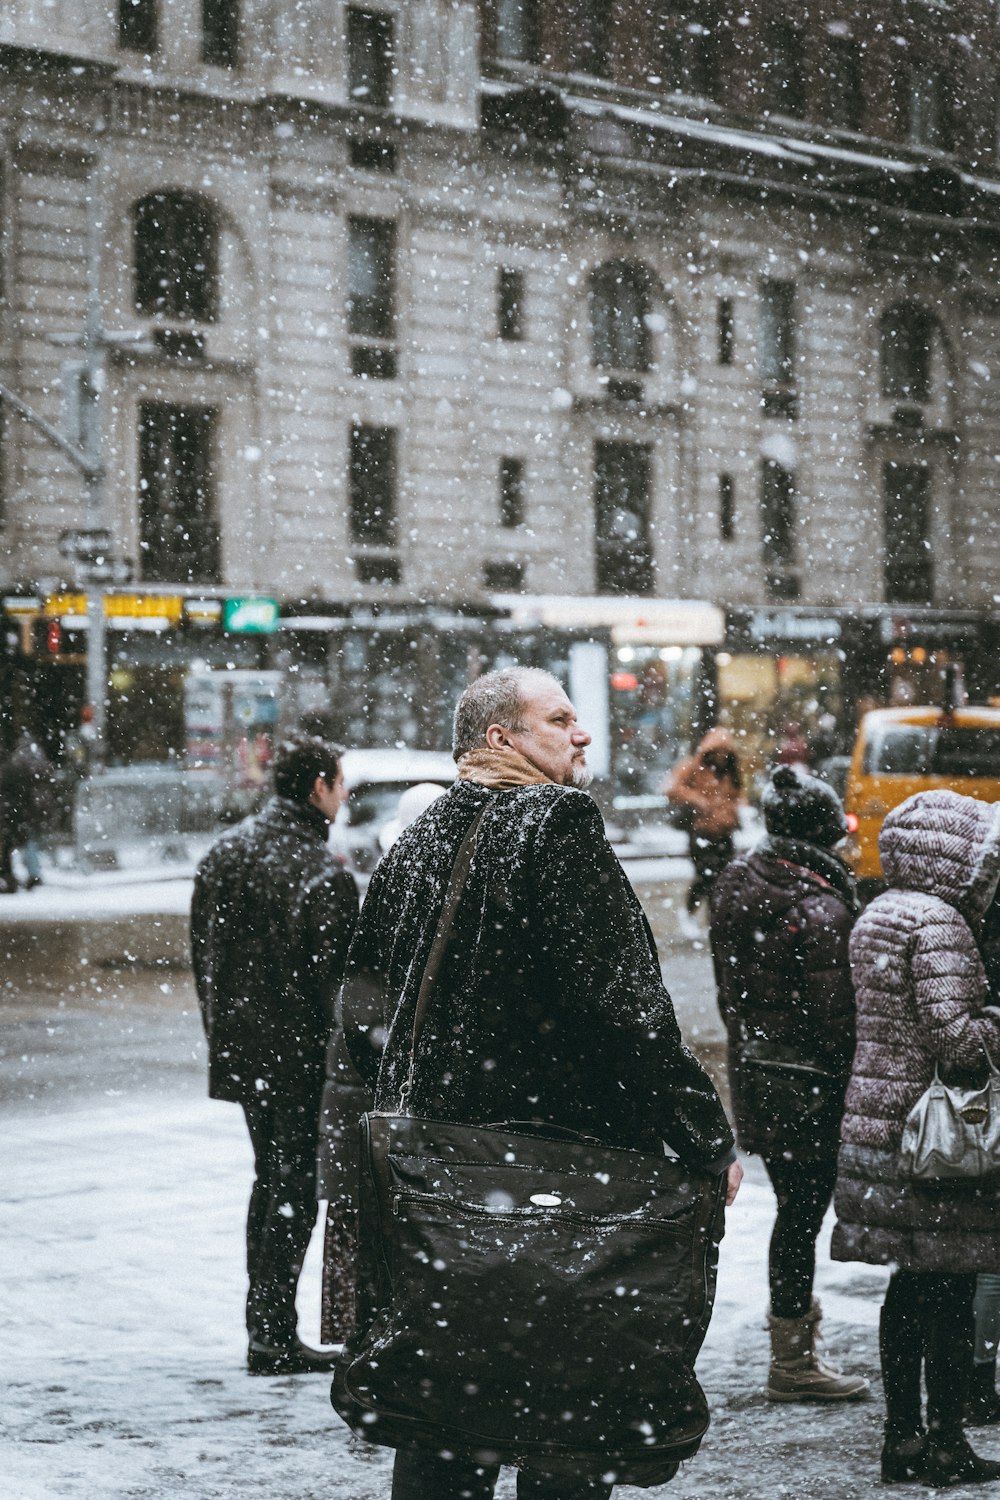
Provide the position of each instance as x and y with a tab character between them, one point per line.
922	1000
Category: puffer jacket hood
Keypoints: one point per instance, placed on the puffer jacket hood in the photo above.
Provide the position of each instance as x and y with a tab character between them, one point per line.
718	740
947	845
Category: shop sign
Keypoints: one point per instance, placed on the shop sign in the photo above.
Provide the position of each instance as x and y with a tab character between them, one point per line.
119	606
253	616
784	625
144	607
896	628
22	606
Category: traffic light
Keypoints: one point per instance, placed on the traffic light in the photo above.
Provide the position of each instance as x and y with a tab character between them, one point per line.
53	637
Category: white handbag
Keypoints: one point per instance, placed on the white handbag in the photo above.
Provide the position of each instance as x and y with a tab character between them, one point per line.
954	1132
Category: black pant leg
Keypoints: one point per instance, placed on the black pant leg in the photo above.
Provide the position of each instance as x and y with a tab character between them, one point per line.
901	1351
419	1474
803	1190
949	1345
281	1215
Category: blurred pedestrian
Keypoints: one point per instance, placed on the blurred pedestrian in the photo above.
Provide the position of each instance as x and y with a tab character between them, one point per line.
271	920
707	789
26	799
781	922
792	748
411	804
923	1004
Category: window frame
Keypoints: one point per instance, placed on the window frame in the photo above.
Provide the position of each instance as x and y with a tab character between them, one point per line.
363	24
366	527
197	294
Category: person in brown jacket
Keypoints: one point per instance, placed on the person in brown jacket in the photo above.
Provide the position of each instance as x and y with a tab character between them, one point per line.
708	787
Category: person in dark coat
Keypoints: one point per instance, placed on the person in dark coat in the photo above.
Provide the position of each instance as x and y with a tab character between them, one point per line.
922	1003
550	1005
781	922
26	795
271	921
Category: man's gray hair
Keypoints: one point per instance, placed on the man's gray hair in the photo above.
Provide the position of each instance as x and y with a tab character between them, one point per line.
494	698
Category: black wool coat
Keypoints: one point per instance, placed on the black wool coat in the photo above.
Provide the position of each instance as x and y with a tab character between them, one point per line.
781	925
271	920
550	1004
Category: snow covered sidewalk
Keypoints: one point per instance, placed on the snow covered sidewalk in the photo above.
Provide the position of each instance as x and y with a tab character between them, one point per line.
121	1324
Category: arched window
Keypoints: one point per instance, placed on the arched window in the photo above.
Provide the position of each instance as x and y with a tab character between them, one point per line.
176	257
619	313
906	340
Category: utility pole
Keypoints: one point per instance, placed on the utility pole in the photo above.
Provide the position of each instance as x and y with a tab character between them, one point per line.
91	550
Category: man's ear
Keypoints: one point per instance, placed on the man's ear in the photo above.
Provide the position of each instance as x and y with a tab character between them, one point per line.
318	788
497	737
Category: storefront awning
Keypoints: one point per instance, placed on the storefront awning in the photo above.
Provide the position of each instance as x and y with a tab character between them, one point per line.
631	619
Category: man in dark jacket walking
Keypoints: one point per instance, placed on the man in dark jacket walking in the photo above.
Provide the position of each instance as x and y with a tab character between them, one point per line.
271	921
781	924
550	1005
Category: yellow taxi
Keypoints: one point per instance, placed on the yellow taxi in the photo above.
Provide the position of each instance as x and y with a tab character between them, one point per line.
900	751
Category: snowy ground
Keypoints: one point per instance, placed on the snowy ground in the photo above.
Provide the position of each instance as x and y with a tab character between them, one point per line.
121	1327
122	1282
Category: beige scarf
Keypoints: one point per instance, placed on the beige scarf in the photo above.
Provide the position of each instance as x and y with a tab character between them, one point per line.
500	769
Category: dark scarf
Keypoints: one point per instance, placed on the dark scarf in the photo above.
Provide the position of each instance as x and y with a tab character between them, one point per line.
822	862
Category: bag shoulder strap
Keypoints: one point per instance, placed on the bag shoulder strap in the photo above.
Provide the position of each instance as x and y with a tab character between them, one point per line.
452	897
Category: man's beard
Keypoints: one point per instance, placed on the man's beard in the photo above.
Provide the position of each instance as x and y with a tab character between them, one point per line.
581	776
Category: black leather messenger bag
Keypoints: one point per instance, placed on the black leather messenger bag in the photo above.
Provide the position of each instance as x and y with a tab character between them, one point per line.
527	1295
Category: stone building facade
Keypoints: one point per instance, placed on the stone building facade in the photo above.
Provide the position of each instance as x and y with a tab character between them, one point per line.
424	309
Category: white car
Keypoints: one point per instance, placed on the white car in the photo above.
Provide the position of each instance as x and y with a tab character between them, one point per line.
375	780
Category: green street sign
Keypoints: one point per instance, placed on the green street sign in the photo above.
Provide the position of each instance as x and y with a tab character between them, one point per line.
250	616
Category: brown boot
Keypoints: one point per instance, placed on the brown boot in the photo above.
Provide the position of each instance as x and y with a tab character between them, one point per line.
797	1372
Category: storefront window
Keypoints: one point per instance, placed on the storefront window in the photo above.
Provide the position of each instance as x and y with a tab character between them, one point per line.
652	696
776	703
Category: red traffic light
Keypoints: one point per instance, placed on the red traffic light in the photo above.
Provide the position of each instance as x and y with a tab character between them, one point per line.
53	638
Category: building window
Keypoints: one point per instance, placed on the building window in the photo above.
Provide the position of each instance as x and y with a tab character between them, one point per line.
592	49
930	113
372	484
518	30
373	155
906	337
370	58
776	352
377	569
727	507
178	525
725	324
371	255
784	70
220	32
777	508
619	317
176	257
622	504
845	84
511	491
137	25
504	577
510	305
688	49
909	569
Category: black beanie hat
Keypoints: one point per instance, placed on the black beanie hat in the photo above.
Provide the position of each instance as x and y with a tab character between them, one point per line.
799	806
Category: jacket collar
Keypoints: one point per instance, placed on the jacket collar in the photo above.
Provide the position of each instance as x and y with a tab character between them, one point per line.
822	864
286	812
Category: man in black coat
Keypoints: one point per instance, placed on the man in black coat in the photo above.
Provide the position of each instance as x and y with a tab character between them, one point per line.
550	1005
271	921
